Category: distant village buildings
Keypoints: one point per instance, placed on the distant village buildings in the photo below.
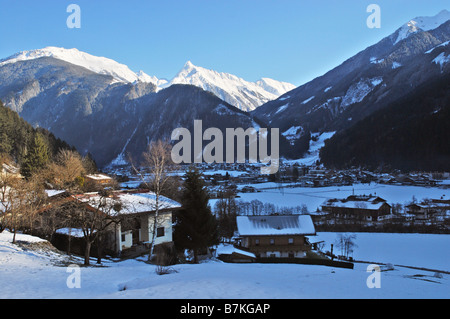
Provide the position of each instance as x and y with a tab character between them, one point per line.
363	209
430	211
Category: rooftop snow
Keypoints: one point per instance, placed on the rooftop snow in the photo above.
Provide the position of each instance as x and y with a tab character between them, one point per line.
132	203
275	225
98	176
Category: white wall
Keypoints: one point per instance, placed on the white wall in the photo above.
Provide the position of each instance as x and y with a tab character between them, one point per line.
164	220
128	242
146	231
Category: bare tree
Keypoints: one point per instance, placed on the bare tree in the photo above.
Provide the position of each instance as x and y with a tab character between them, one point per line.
93	215
157	162
33	199
66	170
7	183
346	243
20	204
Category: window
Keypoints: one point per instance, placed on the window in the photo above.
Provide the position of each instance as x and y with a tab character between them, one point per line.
123	237
160	232
256	242
291	241
272	241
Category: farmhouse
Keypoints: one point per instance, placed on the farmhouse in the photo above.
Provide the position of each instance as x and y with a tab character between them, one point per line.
354	209
275	235
136	212
98	180
429	211
131	217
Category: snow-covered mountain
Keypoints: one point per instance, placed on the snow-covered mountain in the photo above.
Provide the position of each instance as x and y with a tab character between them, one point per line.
111	119
415	53
120	72
242	94
420	24
238	92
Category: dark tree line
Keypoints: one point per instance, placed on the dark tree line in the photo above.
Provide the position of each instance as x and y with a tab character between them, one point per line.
30	148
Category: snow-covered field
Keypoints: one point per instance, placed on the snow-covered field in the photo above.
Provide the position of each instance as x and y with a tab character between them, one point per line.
314	197
26	273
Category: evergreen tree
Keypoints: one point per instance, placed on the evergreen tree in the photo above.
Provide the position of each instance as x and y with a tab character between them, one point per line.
196	227
37	157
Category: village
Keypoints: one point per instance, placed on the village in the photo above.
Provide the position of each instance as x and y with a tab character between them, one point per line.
252	230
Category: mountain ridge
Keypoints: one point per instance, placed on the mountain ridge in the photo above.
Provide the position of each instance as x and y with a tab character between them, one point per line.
360	85
230	88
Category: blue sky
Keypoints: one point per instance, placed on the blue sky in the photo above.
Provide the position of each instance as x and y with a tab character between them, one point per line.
287	40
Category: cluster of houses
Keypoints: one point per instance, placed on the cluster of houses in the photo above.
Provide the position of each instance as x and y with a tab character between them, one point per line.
369	210
312	176
272	236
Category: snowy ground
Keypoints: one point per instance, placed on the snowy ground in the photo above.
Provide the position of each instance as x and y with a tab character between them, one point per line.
26	273
315	197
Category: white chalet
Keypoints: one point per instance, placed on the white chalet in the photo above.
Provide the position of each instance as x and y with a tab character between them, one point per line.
137	211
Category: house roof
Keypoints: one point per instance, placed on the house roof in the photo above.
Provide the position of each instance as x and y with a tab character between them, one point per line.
131	203
53	192
359	205
230	249
10	169
357	202
275	225
98	176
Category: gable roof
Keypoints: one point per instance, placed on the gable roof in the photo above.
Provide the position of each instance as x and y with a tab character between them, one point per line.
275	225
357	202
131	203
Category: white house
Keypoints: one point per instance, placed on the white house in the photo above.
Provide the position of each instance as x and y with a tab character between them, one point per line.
137	212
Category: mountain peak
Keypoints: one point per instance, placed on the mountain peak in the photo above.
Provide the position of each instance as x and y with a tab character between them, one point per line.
189	65
101	65
421	24
236	91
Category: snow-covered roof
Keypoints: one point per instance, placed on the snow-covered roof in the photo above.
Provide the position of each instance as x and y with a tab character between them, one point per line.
359	204
10	169
230	249
275	225
131	203
98	176
74	232
53	192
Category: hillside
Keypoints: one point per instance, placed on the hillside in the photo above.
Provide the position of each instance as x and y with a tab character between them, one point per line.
415	54
16	136
110	119
409	134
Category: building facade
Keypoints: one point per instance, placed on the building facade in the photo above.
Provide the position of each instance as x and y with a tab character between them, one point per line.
275	236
